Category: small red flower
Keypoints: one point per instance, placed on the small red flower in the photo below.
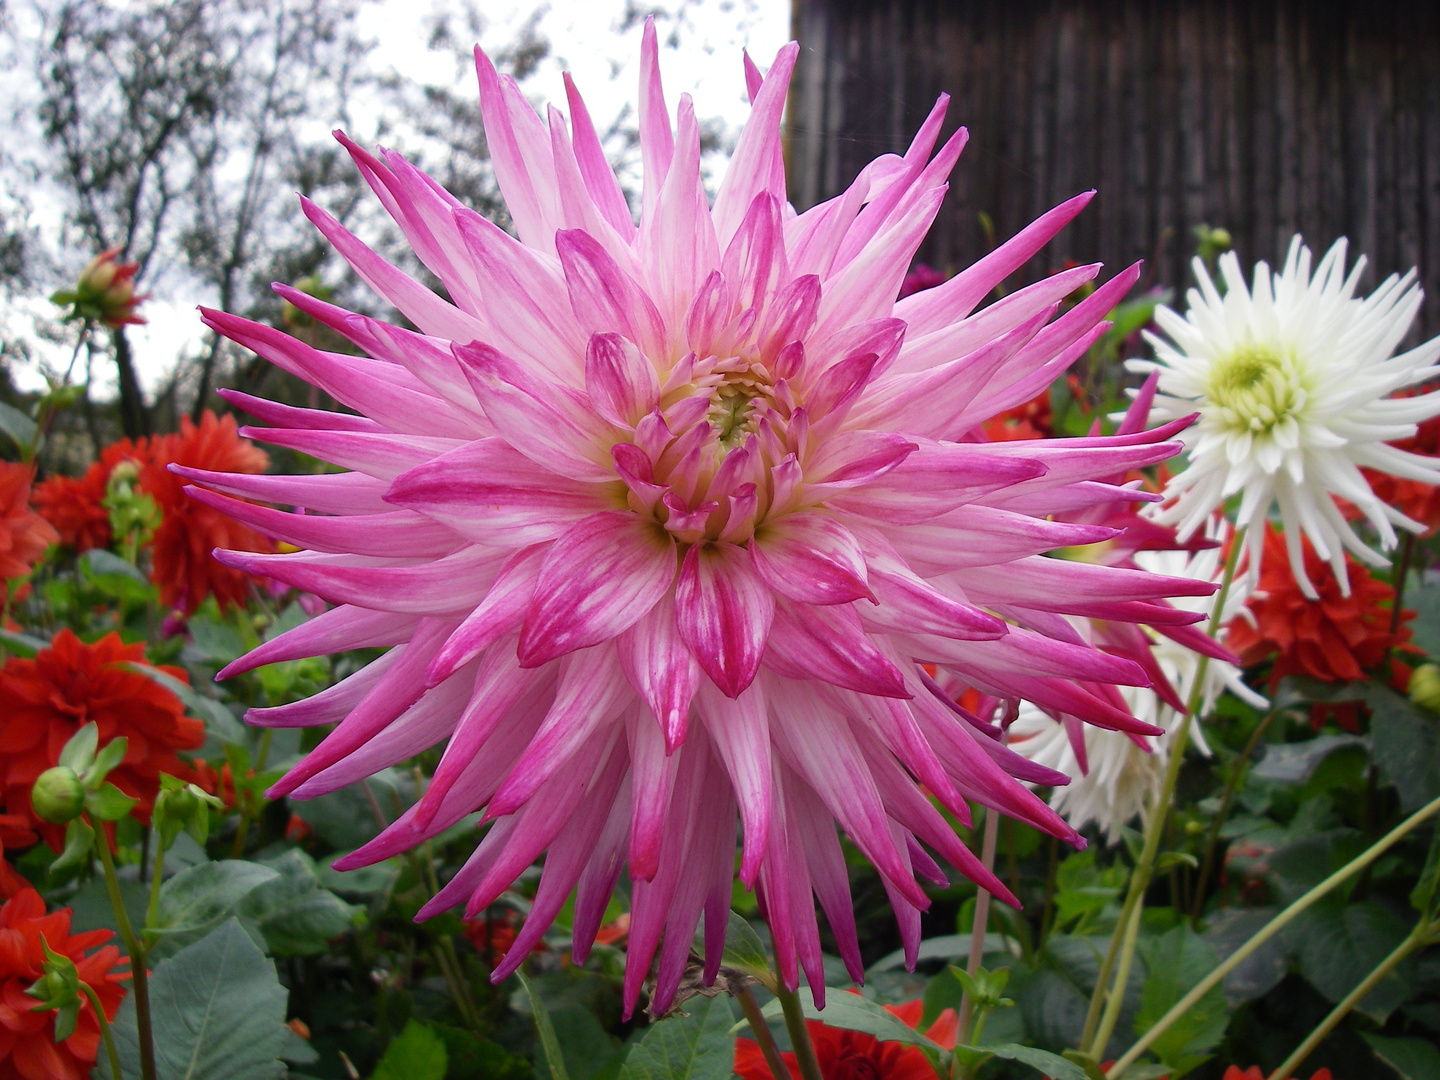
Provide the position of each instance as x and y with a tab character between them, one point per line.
1254	1073
183	567
851	1055
1334	638
1413	498
28	1050
46	700
75	505
920	278
24	534
1031	419
494	935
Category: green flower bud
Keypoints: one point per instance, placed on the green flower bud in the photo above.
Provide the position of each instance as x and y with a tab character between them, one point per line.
1425	687
58	796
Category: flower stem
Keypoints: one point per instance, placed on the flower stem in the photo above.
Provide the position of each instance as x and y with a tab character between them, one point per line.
1269	930
136	951
1127	929
799	1034
94	1000
980	923
152	910
1232	785
1116	1000
763	1035
1417	938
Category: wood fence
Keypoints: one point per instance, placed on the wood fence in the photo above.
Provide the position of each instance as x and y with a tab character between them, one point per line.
1266	117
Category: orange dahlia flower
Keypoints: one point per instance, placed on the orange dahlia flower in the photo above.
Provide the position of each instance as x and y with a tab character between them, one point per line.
28	1050
190	531
1333	638
24	534
75	505
46	700
847	1055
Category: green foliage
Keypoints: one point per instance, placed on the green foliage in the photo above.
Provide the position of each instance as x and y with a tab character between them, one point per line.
693	1045
294	913
1413	1059
1175	961
218	1013
417	1053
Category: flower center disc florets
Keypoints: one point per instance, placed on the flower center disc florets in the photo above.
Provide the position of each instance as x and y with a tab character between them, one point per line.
1258	387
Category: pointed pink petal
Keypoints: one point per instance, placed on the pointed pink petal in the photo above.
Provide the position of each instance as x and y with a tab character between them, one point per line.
757	165
723	611
828	644
599	178
812	558
739	728
498	614
661	669
605	298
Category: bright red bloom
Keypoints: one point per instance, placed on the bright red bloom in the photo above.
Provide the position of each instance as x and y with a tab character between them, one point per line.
28	1050
1254	1073
75	506
191	530
1334	638
1031	419
46	700
24	534
494	936
15	832
851	1055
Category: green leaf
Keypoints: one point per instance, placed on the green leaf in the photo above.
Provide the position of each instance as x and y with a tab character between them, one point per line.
745	952
1339	945
471	1056
106	760
1294	763
1413	1059
941	947
18	426
549	1045
218	1013
218	719
294	914
79	839
855	1013
1406	747
78	753
417	1053
1228	929
1176	961
21	645
116	578
197	899
1422	897
1052	1065
109	803
693	1046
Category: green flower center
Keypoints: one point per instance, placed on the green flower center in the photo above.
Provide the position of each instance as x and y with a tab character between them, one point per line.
1257	387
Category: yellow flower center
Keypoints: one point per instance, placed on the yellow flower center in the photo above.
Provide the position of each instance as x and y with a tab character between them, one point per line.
1257	387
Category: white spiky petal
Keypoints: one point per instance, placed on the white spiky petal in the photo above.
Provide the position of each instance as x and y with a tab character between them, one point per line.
1292	378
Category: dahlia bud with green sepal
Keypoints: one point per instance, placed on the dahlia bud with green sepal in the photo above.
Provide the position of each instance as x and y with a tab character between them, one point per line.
58	990
1425	686
183	806
58	795
104	292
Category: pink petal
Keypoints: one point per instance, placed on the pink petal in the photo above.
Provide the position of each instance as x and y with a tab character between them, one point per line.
661	669
828	644
723	611
811	558
605	298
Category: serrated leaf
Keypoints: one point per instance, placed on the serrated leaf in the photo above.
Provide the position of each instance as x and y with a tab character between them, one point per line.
1338	945
18	426
417	1053
218	1013
202	897
1413	1059
1294	763
855	1013
692	1046
1052	1065
293	913
1406	748
1175	962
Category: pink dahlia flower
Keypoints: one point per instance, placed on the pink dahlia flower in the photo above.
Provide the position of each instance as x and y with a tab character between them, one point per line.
660	522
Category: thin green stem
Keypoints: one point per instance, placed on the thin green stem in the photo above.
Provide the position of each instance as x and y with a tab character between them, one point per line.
1128	926
1116	1000
979	924
763	1035
1417	939
140	985
1227	800
799	1033
1269	930
94	999
252	804
152	910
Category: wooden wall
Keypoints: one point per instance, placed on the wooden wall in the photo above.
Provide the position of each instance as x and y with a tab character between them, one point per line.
1264	116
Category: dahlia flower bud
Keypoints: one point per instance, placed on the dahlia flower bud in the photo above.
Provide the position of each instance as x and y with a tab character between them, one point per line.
58	990
58	795
104	292
1425	687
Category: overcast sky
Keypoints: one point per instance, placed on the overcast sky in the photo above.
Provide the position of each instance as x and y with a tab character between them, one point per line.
703	59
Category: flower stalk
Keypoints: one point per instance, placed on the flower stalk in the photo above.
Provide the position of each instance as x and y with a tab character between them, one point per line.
980	924
105	1035
135	949
1127	930
763	1035
1269	930
799	1033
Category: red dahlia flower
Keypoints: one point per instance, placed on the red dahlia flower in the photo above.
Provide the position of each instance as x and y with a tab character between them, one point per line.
48	699
28	1050
851	1055
667	517
1337	637
24	534
75	506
